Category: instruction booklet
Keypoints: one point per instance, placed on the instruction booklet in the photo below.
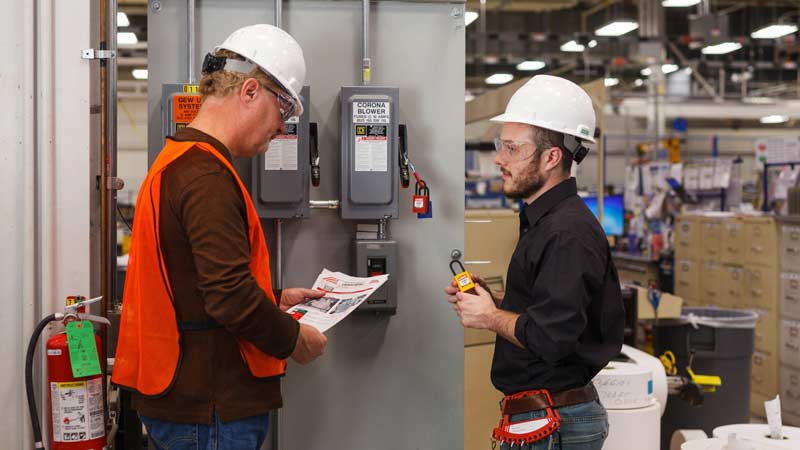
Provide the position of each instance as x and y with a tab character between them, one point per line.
343	294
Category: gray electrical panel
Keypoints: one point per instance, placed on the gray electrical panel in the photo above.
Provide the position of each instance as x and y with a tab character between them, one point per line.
179	105
280	183
378	257
369	152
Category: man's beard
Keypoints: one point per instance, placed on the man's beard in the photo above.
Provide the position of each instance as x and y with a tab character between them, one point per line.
527	183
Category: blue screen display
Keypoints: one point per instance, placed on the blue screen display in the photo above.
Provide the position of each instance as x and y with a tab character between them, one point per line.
613	213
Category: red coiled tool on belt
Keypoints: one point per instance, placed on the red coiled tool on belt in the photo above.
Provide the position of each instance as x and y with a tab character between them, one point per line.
527	431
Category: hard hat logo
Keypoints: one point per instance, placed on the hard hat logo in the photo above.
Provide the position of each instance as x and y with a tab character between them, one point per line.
276	52
552	103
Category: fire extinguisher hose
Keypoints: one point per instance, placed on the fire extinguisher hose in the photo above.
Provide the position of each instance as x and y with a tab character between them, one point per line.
37	428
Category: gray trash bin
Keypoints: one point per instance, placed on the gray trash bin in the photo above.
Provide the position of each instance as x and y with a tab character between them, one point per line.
722	342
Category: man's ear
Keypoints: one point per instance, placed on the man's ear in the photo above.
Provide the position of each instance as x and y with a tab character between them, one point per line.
249	90
553	157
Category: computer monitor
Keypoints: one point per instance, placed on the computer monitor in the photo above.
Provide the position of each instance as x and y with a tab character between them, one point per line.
613	213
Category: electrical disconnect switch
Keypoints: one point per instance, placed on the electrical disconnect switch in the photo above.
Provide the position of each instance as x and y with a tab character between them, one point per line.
378	257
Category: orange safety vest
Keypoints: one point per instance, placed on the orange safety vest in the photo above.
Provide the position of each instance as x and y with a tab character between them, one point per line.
149	344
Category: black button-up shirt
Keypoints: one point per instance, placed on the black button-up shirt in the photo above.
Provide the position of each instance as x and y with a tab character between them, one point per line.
562	282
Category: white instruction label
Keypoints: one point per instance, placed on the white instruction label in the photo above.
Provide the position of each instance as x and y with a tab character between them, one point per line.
528	426
77	410
372	154
371	112
282	151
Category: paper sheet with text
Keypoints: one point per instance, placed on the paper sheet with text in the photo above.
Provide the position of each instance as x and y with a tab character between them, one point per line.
343	294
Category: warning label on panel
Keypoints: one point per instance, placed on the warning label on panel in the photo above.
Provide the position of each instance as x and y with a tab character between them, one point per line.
282	151
371	148
77	410
371	112
185	108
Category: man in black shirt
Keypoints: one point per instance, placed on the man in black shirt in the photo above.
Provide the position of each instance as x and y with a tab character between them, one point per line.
561	319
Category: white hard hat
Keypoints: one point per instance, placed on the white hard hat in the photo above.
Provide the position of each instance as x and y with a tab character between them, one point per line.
552	103
275	52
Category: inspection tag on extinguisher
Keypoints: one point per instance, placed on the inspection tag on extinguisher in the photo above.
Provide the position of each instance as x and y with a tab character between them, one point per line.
77	410
82	349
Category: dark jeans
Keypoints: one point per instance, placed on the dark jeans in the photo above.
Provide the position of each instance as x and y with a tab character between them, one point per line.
244	434
583	427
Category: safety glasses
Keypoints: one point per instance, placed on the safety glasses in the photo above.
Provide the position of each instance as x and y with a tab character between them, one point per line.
513	150
285	104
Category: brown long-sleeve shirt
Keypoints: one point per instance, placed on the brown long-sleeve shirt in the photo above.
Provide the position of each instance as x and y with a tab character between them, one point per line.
204	240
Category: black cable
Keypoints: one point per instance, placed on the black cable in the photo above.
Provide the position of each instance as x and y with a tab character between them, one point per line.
122	216
37	428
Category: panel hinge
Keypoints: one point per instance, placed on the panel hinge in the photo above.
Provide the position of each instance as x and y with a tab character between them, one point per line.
90	53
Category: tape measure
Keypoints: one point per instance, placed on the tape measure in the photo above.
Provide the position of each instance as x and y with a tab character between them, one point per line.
463	280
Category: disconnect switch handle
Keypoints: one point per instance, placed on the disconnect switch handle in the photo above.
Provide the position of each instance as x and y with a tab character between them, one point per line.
405	177
314	154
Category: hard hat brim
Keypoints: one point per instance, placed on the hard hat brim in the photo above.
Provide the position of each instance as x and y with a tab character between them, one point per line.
511	118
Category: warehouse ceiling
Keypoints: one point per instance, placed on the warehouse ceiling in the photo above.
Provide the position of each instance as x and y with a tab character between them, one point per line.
508	32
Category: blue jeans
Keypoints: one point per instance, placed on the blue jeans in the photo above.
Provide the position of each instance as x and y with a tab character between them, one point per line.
244	434
583	427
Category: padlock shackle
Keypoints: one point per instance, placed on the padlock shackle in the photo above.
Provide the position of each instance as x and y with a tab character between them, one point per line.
456	261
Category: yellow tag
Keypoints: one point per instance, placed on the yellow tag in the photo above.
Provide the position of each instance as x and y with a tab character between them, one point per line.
464	281
191	89
367	75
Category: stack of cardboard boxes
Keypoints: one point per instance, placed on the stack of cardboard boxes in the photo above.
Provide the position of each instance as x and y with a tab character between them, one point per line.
490	237
750	262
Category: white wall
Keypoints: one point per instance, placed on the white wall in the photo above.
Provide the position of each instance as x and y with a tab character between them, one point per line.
45	180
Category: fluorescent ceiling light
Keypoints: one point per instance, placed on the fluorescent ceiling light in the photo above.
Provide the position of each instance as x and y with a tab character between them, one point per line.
122	20
679	3
469	17
774	119
126	38
669	68
592	43
617	28
611	82
774	31
531	65
721	49
140	74
639	82
666	68
572	46
499	78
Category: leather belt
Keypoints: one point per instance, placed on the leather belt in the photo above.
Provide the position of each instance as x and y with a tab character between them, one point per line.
564	398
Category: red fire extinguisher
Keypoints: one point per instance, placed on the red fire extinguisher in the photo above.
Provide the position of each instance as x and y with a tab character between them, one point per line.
76	404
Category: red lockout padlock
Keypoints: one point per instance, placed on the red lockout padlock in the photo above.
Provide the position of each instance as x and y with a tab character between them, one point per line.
419	204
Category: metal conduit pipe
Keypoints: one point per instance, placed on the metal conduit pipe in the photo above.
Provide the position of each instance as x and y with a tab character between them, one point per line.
324	204
366	62
190	24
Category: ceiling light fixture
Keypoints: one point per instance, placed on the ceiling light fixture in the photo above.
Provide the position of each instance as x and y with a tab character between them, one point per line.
611	82
126	38
469	17
774	119
774	31
572	46
721	49
639	82
679	3
122	20
139	74
531	65
669	68
499	78
617	28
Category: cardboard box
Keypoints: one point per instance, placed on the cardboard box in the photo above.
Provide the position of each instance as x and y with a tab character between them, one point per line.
764	374
761	235
481	399
687	281
790	342
733	241
668	307
687	237
790	389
